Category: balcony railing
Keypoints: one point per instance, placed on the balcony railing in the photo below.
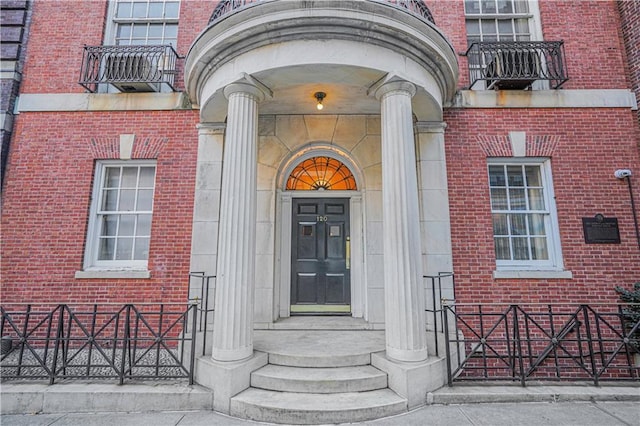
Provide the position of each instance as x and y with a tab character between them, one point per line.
415	6
129	68
516	64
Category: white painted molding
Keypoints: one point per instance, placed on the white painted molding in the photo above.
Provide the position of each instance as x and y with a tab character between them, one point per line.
44	102
606	98
536	275
112	274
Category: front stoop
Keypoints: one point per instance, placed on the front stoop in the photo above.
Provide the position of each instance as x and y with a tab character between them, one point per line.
297	392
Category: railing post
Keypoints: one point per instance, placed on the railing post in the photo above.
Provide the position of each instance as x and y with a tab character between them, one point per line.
594	371
192	366
125	342
447	344
516	337
59	332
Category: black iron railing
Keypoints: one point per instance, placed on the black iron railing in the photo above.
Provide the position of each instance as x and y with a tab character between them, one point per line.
129	68
107	341
516	64
200	284
441	290
540	342
418	7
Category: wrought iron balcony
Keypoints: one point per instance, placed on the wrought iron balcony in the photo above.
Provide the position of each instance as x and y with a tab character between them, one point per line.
516	64
129	68
417	7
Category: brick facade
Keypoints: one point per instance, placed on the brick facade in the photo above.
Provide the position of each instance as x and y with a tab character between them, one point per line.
48	186
630	18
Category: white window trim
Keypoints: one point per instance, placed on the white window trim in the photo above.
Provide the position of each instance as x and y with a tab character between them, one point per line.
92	268
554	267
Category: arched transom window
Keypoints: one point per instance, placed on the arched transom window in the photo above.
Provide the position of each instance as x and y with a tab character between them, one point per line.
321	173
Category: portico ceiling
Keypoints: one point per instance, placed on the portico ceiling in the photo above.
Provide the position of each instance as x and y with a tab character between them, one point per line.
341	48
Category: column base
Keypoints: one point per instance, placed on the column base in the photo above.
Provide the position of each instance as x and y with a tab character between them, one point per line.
412	380
227	379
403	355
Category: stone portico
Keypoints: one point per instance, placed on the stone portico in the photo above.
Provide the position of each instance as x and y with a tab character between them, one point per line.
387	73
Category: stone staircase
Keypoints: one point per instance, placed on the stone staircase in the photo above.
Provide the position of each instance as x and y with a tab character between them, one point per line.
317	389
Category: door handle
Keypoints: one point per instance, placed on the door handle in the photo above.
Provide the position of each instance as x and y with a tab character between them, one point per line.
348	253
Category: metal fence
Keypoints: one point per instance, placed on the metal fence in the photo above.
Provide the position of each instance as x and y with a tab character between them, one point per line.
540	342
200	292
106	341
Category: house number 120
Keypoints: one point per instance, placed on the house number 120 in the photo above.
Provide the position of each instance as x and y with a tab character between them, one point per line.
322	219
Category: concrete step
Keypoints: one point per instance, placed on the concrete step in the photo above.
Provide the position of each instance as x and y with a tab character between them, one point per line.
319	360
319	380
316	408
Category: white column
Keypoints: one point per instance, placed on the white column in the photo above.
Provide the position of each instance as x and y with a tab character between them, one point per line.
233	316
406	338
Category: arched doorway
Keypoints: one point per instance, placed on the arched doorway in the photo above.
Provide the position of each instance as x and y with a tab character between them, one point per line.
320	228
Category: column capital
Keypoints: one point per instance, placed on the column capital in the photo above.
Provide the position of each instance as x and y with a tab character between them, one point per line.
395	85
249	85
430	126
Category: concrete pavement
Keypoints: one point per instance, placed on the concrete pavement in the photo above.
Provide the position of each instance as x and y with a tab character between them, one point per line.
492	414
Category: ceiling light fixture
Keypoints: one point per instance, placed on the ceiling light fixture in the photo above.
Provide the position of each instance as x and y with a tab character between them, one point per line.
319	97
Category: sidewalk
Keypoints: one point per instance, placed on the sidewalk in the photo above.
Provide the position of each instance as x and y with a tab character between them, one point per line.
464	405
495	414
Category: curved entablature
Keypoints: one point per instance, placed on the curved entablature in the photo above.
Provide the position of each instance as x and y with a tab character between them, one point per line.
226	7
297	48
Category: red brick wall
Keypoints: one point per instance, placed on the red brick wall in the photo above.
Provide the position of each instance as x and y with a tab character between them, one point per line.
630	17
590	144
47	197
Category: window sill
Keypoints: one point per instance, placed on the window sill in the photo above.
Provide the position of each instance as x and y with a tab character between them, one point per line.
113	274
532	274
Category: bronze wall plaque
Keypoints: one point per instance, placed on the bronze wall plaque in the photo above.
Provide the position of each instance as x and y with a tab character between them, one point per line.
601	230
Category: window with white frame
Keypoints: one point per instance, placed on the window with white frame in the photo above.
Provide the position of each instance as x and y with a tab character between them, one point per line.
145	22
525	230
498	20
121	211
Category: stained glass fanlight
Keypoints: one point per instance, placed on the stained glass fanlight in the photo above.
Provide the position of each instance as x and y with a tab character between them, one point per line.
321	173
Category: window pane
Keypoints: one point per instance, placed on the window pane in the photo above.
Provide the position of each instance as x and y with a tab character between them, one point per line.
488	6
129	177
521	26
514	175
106	249
139	31
505	27
127	225
498	199
536	224
109	225
112	177
171	9
520	248
170	32
518	224
521	6
500	225
496	176
533	175
536	202
110	200
147	176
505	6
539	248
139	10
517	200
502	248
145	200
488	26
123	10
124	248
144	225
127	200
142	249
155	30
155	10
124	31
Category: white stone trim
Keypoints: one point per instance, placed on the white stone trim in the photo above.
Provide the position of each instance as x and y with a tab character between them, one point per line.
606	98
112	274
538	275
50	102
